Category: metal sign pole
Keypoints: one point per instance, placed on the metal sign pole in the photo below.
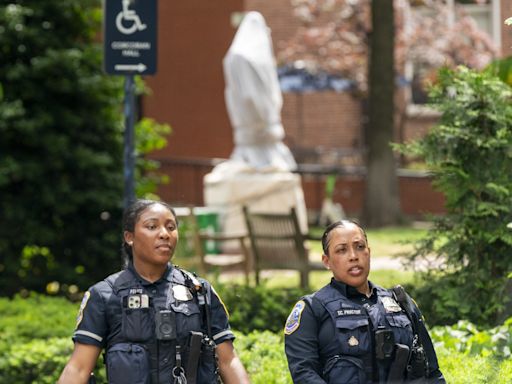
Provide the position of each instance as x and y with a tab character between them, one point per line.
130	45
129	141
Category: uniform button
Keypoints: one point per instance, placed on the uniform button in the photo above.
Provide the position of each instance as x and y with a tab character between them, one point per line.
166	360
153	291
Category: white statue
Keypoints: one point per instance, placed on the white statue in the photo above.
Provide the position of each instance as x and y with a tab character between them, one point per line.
258	173
254	100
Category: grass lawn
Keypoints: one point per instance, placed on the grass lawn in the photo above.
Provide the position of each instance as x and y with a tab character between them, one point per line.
384	242
317	279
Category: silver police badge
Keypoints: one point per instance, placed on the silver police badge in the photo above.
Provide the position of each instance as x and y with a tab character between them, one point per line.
181	293
390	305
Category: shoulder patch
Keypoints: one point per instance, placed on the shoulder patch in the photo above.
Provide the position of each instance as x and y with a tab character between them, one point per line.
293	321
80	315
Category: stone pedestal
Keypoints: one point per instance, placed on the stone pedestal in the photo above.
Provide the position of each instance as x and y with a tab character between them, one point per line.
260	191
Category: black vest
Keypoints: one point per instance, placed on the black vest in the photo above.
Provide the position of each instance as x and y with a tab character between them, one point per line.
133	353
355	326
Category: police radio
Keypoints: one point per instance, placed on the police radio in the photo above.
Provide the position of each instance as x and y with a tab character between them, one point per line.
165	325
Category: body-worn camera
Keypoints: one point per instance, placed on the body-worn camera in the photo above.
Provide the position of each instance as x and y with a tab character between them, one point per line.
165	325
384	343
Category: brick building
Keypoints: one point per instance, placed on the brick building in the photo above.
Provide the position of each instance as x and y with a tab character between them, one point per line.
321	127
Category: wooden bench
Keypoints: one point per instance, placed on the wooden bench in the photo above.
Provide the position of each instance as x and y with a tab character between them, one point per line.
278	243
236	254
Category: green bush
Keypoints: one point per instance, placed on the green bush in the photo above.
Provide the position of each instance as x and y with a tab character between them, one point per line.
61	169
262	354
258	308
68	113
467	338
35	317
469	153
36	344
39	361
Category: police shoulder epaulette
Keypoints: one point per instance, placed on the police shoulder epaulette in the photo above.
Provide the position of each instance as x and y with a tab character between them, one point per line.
119	280
190	277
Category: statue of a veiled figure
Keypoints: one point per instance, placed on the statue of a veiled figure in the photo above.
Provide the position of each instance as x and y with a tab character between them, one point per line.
254	100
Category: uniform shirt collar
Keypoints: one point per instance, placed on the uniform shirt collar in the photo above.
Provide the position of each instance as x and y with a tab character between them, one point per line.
351	292
166	276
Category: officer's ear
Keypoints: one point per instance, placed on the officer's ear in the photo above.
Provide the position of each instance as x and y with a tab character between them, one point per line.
128	237
325	261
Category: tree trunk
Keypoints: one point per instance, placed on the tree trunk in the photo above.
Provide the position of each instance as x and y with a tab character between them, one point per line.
382	203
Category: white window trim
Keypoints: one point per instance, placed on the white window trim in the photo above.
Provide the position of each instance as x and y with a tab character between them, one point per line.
419	110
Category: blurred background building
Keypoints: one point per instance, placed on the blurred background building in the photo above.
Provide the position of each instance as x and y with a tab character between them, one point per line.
321	117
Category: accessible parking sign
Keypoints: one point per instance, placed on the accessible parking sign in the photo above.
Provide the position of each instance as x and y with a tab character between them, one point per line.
130	37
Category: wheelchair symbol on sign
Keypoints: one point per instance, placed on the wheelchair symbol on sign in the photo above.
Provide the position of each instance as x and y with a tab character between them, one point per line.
127	21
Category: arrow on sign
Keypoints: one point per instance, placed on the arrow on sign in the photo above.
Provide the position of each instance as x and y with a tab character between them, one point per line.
130	67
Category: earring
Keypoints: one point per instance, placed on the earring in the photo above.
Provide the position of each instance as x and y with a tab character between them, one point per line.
130	243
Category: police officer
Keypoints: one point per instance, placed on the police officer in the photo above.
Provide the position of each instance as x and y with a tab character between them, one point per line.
353	331
157	323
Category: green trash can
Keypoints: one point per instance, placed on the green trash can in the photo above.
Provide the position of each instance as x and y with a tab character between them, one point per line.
208	221
185	246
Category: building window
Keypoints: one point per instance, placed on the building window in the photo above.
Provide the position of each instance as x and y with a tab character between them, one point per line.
418	73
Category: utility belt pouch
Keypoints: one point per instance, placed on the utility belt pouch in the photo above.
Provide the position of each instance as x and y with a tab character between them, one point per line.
165	325
128	363
417	366
136	318
398	366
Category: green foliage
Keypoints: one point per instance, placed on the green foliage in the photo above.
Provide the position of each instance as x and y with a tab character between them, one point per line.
35	338
465	337
61	129
35	316
459	368
258	308
262	354
470	155
503	69
35	345
61	169
267	306
34	362
150	136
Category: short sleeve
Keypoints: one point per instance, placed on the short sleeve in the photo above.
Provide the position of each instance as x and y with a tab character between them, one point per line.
221	331
435	375
301	344
91	325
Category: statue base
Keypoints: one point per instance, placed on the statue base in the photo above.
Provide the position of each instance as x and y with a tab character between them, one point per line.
259	191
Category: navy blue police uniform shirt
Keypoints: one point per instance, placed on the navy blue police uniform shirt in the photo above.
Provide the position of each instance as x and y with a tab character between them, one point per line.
99	319
311	341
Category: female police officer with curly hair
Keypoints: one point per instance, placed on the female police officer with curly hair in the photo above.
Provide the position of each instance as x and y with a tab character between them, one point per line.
353	331
156	322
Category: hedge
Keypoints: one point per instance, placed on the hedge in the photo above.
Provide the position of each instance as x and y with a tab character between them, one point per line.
35	344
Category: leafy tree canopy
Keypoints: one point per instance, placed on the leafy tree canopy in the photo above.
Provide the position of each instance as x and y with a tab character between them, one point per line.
335	34
61	144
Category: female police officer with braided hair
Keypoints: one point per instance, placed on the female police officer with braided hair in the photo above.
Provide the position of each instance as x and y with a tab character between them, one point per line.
353	331
156	322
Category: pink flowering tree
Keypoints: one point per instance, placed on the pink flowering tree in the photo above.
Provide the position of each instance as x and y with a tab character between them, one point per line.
341	36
